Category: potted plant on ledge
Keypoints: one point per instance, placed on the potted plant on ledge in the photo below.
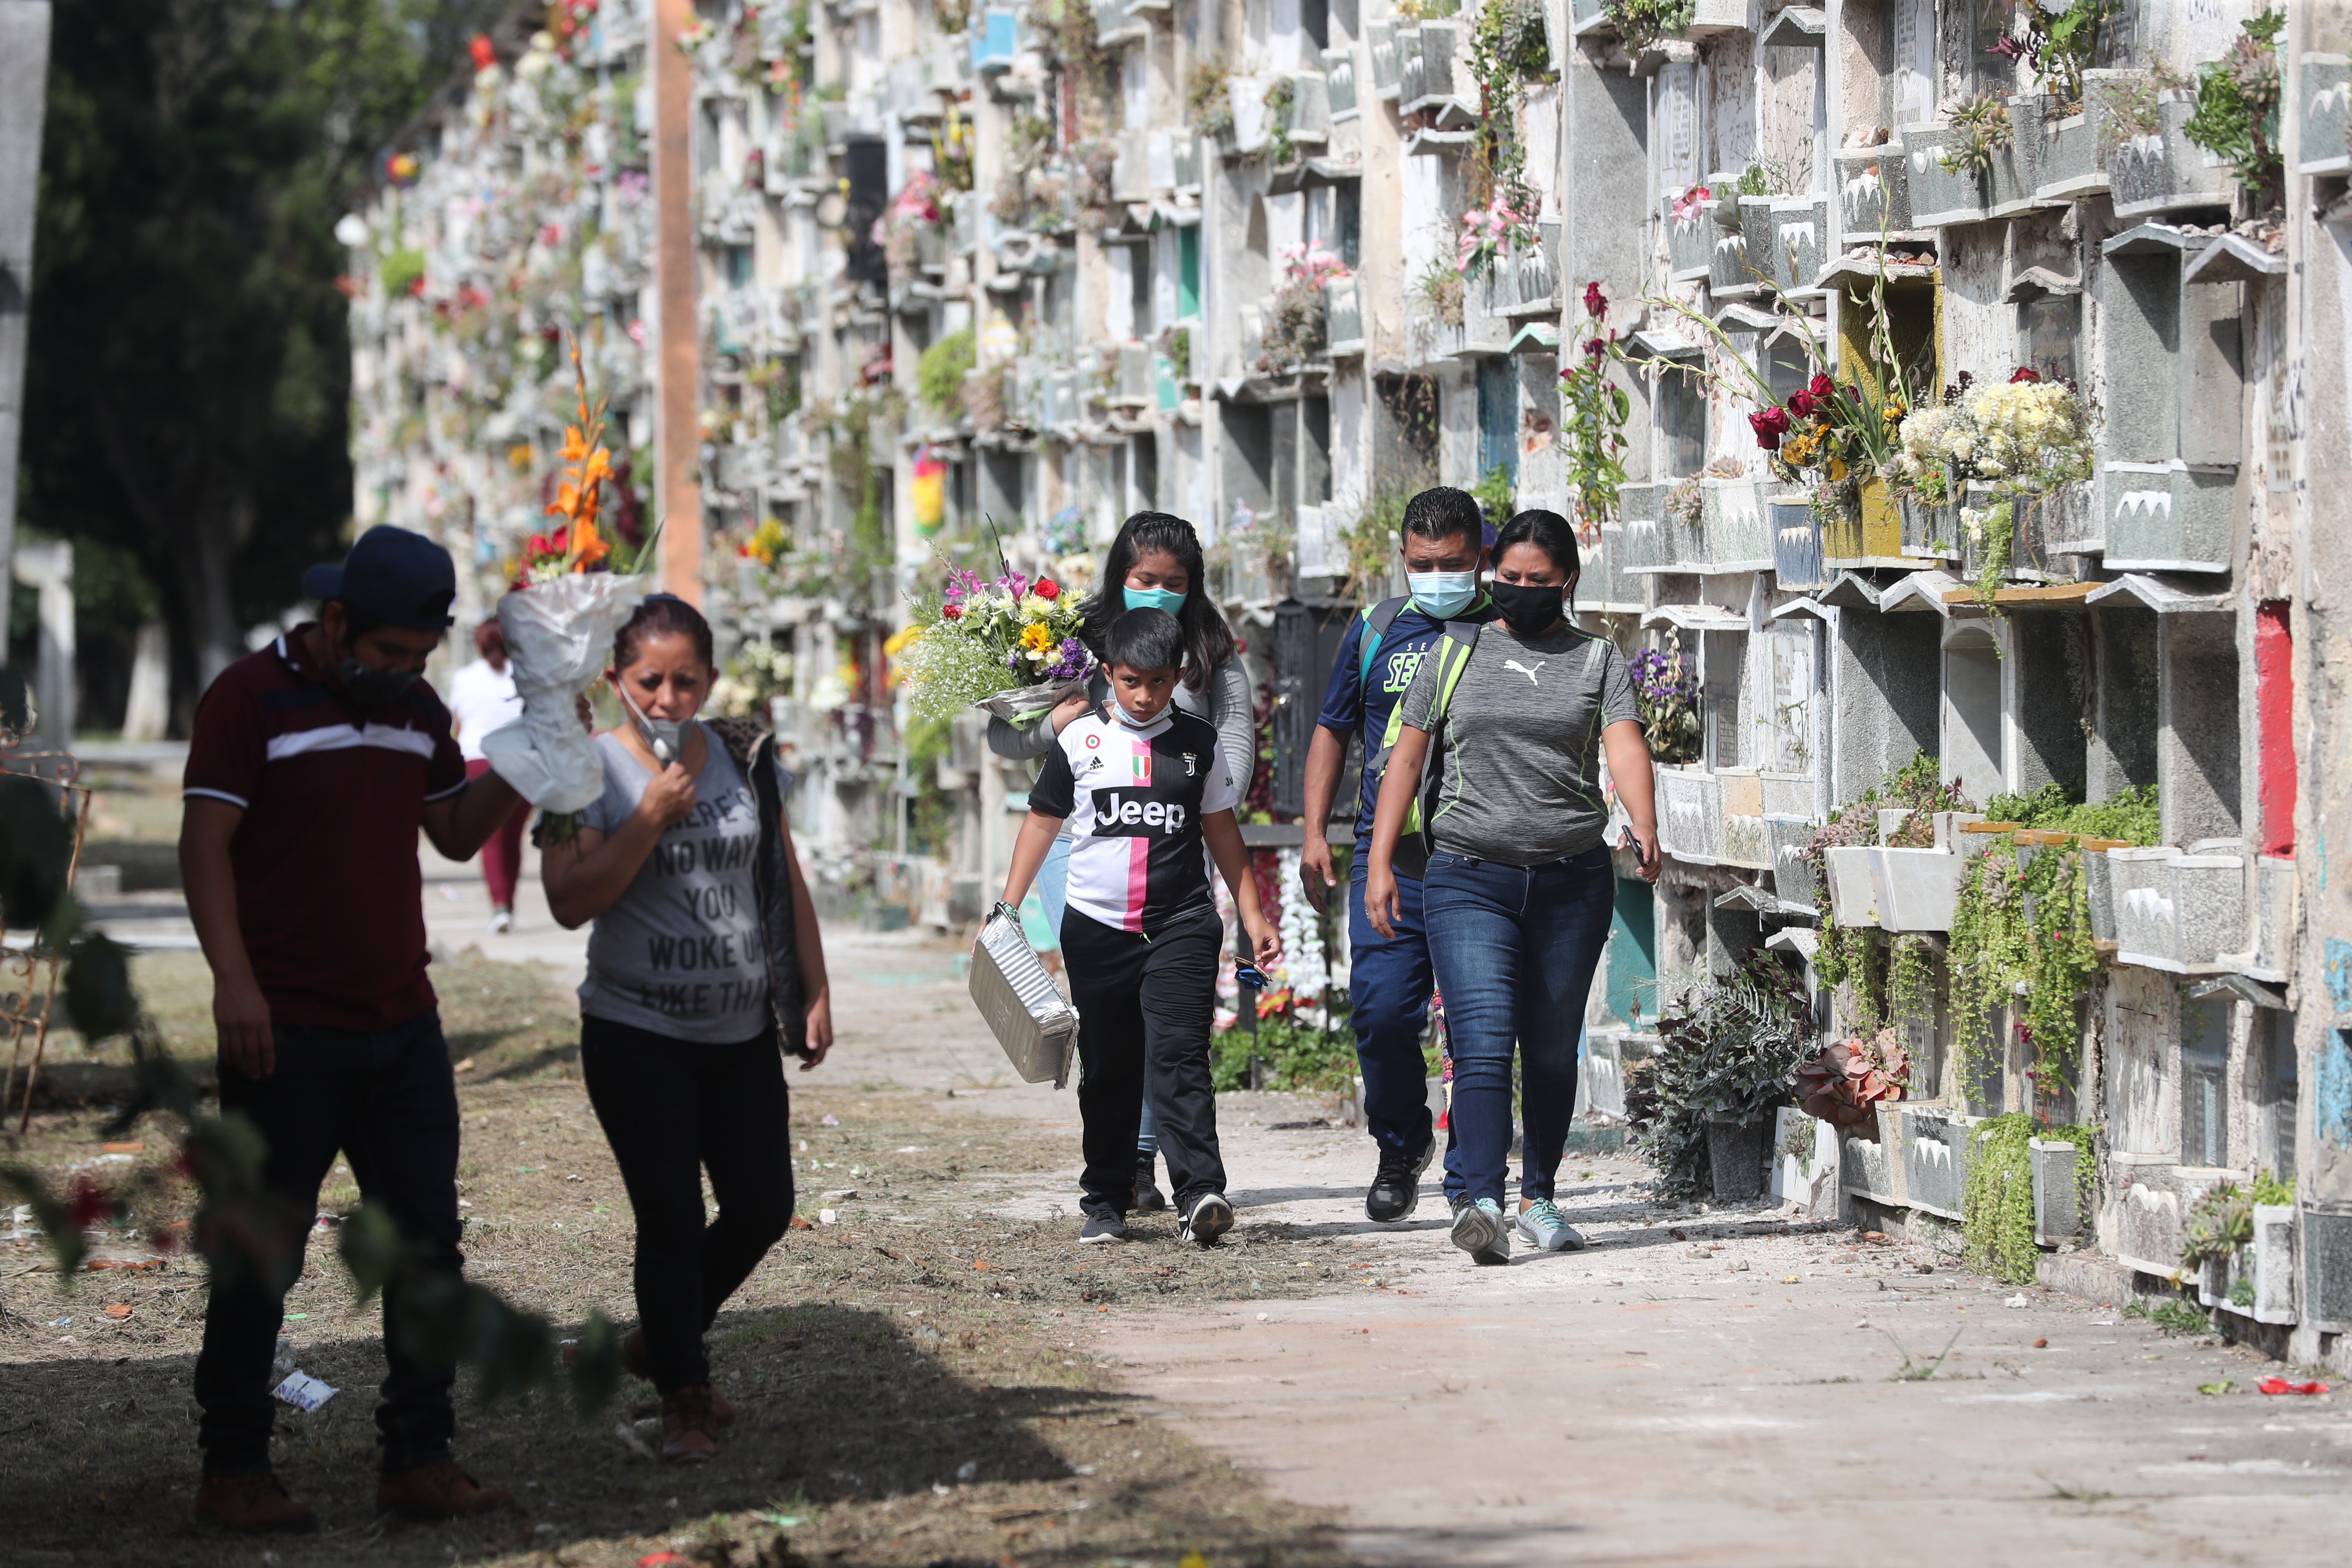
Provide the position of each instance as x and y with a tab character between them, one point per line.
1702	1105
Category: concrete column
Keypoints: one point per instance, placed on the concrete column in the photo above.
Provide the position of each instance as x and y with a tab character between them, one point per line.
678	430
147	712
24	76
46	565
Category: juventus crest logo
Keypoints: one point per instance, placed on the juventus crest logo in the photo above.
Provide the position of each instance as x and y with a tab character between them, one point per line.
1191	763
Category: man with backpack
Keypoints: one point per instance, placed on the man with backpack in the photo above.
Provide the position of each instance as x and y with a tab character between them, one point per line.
1444	543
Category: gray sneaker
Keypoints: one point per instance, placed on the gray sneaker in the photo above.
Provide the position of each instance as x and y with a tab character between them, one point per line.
1479	1230
1541	1224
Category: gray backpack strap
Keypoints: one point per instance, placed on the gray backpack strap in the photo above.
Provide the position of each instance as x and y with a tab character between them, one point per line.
1377	621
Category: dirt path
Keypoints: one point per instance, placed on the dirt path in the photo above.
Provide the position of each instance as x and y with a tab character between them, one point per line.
937	1374
1698	1387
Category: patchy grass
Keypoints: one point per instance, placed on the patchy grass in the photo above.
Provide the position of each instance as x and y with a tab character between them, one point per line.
917	1382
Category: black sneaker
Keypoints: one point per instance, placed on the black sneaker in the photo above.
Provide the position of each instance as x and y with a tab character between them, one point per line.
1396	1186
1210	1217
1103	1224
1148	1196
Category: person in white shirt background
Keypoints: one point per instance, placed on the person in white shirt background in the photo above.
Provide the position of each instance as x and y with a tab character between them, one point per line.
482	698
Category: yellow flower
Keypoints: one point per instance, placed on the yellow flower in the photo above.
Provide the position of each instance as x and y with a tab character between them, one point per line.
1038	638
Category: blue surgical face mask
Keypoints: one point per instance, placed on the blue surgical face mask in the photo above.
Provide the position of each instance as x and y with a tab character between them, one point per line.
1445	594
1153	599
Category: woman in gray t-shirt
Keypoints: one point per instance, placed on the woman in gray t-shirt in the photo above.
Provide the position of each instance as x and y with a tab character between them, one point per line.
703	965
1519	887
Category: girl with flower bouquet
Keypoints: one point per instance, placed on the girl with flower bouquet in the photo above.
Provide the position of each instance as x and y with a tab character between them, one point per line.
1154	564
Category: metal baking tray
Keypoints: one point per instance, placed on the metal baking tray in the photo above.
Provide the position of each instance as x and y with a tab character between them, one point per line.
1031	1018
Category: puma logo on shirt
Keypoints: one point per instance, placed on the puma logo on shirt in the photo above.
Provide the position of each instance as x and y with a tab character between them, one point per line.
1523	669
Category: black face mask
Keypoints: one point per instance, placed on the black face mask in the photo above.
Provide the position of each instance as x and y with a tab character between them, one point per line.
370	687
1528	607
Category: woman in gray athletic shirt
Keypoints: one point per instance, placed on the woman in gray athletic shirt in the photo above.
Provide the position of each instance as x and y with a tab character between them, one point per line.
704	967
1519	886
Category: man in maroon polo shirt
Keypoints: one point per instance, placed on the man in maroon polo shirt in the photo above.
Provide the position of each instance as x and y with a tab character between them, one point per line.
313	765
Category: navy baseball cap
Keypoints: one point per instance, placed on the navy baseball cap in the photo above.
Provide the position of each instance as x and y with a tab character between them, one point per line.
398	578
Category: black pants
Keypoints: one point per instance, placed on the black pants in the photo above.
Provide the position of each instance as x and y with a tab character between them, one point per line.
386	1099
1145	1006
670	1109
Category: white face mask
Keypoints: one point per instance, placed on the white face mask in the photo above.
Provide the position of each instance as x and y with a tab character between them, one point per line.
664	738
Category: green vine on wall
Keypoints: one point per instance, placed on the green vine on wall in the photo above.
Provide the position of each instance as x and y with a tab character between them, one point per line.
1641	23
1998	951
1508	47
1207	104
1997	1202
1281	102
2238	97
1843	953
1910	987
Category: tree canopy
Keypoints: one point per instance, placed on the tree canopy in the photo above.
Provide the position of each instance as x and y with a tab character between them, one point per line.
189	363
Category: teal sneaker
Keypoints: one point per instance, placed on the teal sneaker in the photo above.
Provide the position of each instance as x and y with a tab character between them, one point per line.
1479	1230
1541	1224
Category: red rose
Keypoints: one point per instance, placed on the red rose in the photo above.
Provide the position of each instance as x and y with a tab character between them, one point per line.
2023	373
1770	426
1046	589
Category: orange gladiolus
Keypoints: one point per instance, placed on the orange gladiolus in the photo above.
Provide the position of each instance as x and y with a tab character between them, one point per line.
576	446
588	548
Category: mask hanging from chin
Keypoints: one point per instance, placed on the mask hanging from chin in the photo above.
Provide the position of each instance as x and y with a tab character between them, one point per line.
664	738
1131	722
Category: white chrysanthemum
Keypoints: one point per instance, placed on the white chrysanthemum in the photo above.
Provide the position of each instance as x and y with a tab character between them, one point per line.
1304	962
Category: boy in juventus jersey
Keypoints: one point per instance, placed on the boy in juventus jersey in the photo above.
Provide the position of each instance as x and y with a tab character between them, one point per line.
1144	789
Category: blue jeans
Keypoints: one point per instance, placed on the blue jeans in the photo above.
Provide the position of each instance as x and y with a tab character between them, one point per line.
1514	948
1387	1002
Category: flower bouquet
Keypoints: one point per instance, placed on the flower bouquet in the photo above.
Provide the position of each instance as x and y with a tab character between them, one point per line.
2027	436
1667	697
558	621
1009	648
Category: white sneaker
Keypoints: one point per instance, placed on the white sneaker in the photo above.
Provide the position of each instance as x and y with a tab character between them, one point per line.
502	920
